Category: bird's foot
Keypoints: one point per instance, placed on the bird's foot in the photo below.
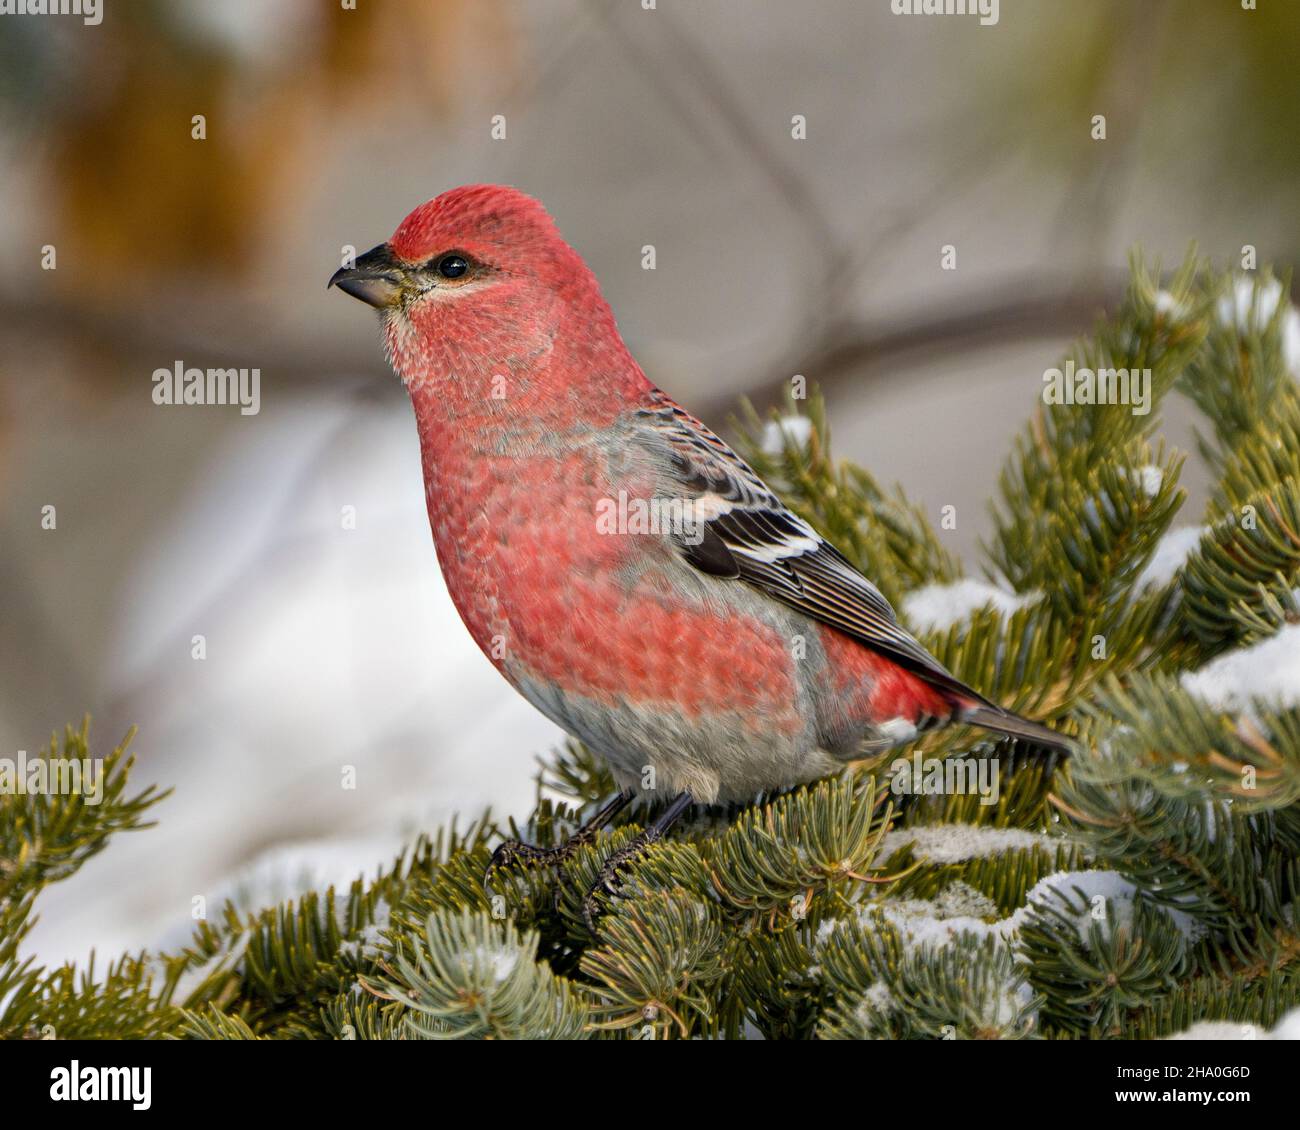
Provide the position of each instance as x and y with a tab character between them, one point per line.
510	852
607	881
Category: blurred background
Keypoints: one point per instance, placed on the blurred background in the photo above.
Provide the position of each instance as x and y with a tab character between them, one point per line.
331	645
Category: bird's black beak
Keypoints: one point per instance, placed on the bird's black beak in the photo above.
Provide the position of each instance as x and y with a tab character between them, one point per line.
376	278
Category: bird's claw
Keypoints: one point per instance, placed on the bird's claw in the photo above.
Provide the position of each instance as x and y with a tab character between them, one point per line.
510	852
607	880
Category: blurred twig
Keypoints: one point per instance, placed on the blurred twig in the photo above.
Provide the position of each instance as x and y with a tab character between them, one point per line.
1021	308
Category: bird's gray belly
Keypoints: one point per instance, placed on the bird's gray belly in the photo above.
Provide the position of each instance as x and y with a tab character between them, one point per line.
723	754
719	757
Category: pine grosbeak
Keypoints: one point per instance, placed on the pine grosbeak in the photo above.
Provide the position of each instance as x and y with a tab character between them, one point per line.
721	651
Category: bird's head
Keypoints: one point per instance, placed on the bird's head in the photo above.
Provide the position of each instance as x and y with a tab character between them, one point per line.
475	280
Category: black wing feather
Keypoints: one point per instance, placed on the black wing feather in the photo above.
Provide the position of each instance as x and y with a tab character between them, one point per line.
756	539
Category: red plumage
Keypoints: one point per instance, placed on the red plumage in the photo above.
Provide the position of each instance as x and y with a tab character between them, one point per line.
752	658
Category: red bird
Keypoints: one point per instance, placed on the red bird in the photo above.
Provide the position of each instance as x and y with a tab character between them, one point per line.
623	568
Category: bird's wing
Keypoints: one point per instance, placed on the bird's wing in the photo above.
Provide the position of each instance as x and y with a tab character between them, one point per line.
746	533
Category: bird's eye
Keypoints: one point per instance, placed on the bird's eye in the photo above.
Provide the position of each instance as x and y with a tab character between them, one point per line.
452	266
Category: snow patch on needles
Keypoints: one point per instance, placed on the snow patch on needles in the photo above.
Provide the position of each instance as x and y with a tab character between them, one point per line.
1170	306
499	961
952	843
369	941
1150	478
878	998
1172	551
1119	895
228	957
1268	670
1250	310
961	909
795	429
938	607
1287	1028
956	910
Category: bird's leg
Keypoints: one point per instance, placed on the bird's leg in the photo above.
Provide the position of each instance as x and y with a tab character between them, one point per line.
607	880
514	851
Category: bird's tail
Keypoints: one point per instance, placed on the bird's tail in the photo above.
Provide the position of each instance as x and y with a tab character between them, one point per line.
1001	721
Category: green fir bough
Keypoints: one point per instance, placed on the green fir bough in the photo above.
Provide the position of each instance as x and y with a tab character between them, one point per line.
1148	883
